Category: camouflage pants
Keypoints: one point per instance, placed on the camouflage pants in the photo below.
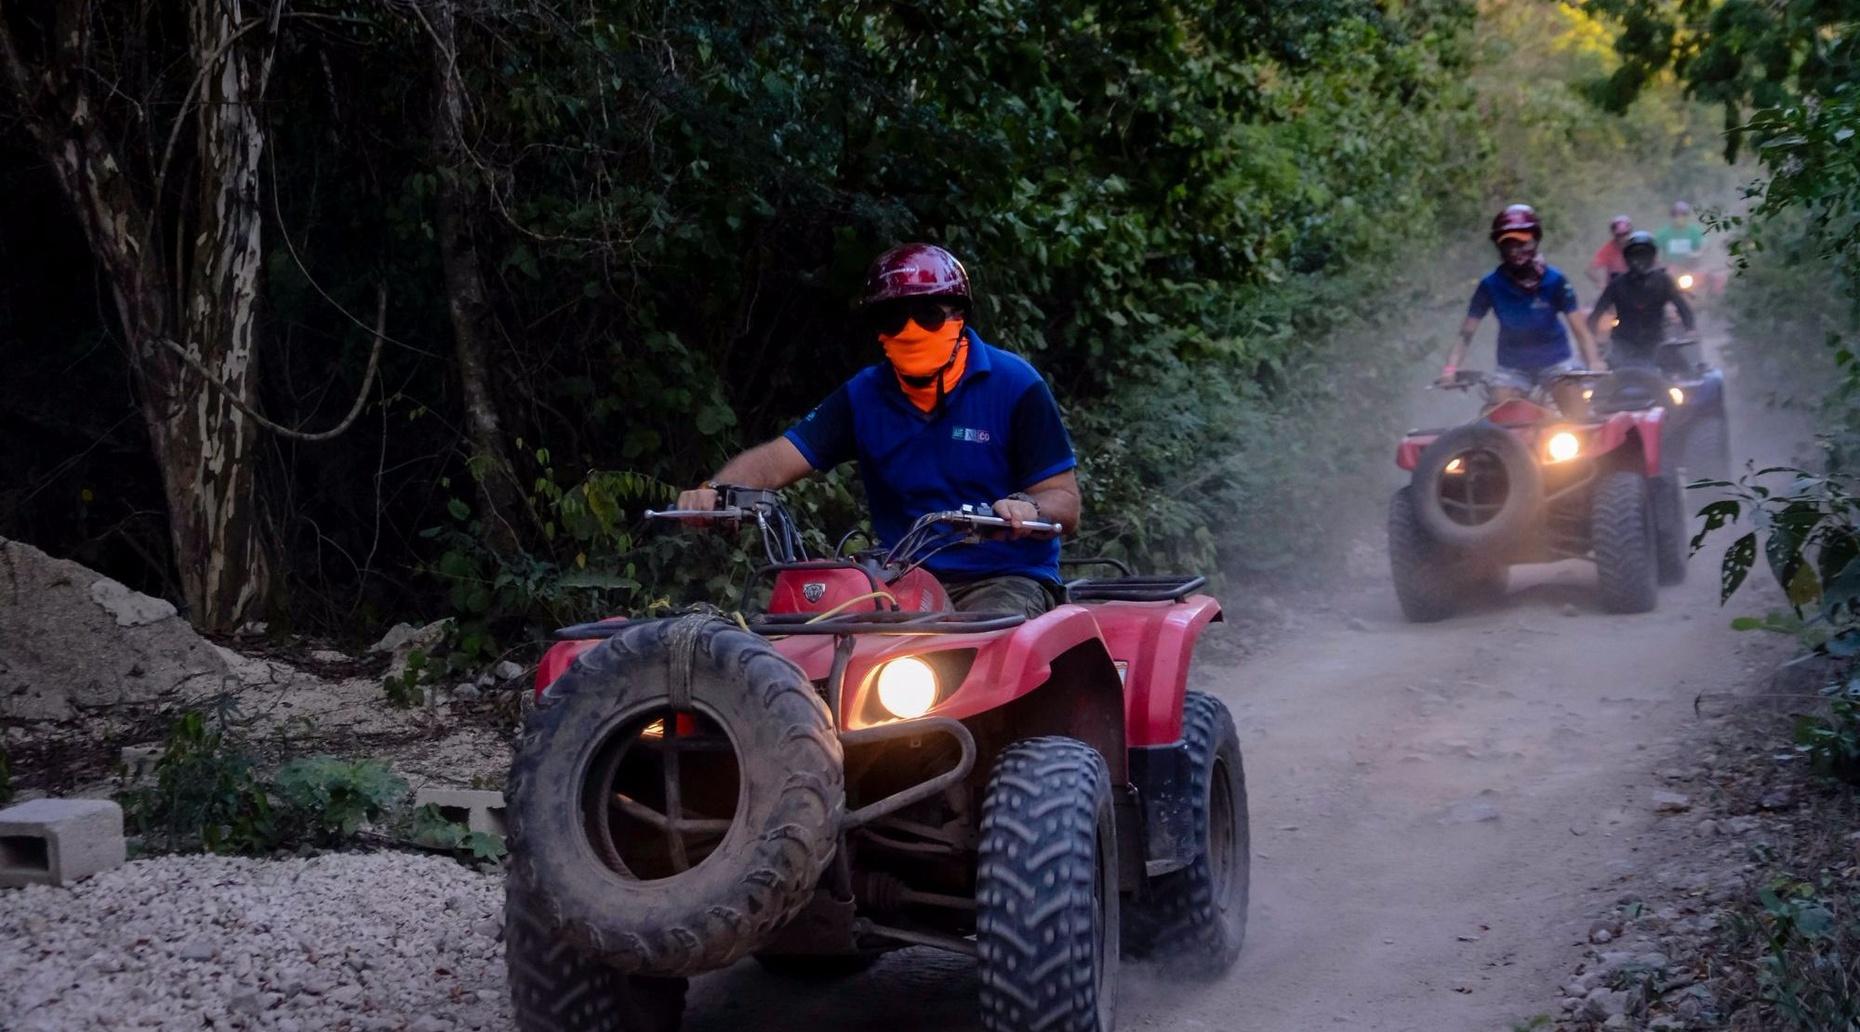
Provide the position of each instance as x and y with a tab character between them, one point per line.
1004	595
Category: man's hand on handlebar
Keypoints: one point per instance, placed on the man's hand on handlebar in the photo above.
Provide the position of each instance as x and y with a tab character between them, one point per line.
701	499
1017	512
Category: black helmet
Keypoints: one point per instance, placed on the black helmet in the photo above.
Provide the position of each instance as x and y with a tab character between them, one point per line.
1640	240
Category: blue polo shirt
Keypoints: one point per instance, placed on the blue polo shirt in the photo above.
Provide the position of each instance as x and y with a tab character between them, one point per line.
998	432
1530	336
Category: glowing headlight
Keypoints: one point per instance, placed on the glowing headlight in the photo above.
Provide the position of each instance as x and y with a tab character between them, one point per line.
1456	466
1678	396
1563	446
906	687
1685	281
1587	393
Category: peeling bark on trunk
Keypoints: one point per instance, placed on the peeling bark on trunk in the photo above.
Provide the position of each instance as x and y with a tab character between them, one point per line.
203	444
501	503
211	464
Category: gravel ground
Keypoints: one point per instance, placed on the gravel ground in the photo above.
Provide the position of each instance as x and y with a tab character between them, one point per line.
344	942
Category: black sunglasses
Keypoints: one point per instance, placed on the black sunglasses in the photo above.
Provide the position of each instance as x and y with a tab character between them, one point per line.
930	313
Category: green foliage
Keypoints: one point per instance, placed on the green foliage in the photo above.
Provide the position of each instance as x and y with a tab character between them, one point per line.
430	828
327	800
1832	743
1808	532
405	689
205	794
1811	941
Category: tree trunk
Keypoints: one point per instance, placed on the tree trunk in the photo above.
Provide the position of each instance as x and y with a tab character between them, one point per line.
208	446
204	446
501	502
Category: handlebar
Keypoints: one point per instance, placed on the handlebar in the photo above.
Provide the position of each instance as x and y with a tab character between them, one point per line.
726	513
972	519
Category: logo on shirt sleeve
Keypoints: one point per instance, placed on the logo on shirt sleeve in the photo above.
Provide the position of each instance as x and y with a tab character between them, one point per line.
969	433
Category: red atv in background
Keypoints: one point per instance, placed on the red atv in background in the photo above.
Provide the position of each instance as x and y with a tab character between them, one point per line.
1524	484
859	768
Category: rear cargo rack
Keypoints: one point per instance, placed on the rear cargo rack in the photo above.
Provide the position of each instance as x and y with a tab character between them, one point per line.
1163	588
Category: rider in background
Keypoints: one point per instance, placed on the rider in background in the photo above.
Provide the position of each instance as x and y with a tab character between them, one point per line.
1532	301
1639	300
942	421
1609	262
1681	241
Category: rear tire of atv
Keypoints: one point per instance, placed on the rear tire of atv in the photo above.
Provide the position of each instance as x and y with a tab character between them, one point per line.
1429	578
1046	928
1523	492
816	967
1623	537
566	857
1194	919
556	986
1669	527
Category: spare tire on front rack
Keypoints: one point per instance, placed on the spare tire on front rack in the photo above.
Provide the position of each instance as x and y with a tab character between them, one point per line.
673	801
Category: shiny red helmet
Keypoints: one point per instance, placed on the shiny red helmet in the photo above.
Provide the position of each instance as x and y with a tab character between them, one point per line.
915	270
1519	218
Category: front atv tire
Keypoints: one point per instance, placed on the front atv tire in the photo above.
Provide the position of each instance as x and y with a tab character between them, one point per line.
1623	538
1194	919
1046	885
556	986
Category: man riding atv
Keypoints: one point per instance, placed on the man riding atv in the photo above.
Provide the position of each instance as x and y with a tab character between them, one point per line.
1532	300
945	421
1639	301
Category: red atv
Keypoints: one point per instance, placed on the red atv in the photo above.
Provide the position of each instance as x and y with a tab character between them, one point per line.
859	768
1523	484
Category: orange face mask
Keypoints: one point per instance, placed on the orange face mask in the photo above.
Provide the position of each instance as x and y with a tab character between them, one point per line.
916	354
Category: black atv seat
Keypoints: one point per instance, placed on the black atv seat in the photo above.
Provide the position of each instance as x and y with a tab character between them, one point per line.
1172	587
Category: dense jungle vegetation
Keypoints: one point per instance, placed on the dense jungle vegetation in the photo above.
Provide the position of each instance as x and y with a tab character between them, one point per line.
562	258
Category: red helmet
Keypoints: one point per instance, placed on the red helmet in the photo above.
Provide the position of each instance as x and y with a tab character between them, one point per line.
1620	224
915	270
1519	218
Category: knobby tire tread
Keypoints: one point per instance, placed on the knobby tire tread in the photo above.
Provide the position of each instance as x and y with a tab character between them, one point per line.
673	931
1176	918
1046	800
1621	533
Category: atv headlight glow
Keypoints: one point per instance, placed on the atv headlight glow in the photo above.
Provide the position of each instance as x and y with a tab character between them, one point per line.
1563	446
1678	396
1456	466
1685	281
907	687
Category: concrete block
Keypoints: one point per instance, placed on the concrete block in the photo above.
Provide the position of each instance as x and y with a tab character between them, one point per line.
477	809
59	841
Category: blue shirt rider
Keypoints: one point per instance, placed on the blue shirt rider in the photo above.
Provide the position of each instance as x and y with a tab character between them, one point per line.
1533	302
945	420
